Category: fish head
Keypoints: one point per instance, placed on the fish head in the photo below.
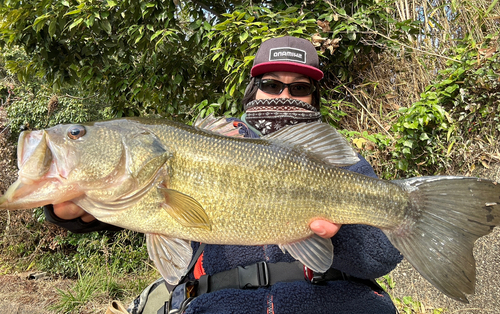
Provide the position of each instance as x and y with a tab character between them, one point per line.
103	161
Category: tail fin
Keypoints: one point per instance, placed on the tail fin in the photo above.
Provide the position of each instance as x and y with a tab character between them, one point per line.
446	216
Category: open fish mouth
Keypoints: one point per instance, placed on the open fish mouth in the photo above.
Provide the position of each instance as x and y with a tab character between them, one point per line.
37	184
34	156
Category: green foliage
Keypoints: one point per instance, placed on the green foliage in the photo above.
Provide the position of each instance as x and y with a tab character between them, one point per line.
360	138
107	265
105	283
85	289
161	58
460	106
405	305
48	109
42	246
61	254
35	105
125	251
386	282
133	53
332	110
421	140
409	306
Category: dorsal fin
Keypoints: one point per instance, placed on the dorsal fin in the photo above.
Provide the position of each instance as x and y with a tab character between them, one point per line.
320	140
217	125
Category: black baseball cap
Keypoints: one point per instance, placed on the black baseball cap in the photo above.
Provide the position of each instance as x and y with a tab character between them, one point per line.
287	54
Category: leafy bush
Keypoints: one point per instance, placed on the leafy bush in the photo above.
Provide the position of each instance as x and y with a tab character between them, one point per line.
124	251
459	110
45	247
47	109
35	105
161	58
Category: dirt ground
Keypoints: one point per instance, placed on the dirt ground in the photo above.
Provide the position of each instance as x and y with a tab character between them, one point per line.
485	300
20	295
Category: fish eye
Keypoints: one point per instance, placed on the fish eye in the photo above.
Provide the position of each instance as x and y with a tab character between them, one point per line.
77	131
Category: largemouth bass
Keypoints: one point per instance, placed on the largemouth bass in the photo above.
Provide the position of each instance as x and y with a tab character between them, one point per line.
178	183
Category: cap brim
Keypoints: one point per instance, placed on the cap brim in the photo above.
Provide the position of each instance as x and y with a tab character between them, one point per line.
277	66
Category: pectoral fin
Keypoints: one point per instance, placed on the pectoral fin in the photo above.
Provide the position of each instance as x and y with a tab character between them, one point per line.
170	256
185	209
314	252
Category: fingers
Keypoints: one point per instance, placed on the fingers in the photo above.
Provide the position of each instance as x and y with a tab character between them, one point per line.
69	210
324	228
87	217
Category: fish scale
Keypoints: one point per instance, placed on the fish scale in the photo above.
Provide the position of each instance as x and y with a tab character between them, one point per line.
241	161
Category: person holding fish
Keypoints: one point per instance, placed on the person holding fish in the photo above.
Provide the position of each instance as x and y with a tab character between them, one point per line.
283	90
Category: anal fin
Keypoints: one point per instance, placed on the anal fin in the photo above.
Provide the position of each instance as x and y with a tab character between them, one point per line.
315	252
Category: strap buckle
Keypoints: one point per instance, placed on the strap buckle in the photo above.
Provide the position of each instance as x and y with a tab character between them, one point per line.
253	276
180	297
313	277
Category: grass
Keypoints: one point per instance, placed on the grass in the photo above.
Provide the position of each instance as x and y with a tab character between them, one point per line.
102	266
84	290
97	287
406	304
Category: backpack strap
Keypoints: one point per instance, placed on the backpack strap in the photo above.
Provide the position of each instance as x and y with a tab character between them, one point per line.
260	274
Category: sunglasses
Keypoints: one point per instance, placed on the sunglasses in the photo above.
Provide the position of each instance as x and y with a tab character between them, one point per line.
275	87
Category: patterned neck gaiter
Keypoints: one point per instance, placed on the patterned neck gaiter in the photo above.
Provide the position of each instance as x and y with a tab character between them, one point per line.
270	115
